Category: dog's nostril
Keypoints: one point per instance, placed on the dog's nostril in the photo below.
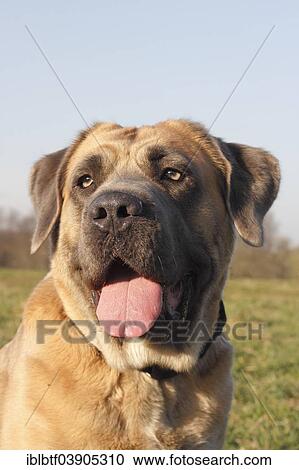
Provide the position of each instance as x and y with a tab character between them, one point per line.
122	211
101	213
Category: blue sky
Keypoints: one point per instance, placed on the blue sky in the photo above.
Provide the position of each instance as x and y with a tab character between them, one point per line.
138	62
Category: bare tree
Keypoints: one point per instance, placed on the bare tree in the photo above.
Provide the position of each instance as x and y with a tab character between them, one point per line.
273	260
15	238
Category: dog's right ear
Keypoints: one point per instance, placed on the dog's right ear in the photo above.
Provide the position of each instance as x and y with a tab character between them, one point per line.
46	184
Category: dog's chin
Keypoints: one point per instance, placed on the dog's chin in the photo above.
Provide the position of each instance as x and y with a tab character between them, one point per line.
139	354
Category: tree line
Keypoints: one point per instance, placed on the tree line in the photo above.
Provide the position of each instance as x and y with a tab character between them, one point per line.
276	259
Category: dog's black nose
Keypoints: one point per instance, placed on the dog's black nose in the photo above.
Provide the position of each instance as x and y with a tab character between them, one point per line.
113	211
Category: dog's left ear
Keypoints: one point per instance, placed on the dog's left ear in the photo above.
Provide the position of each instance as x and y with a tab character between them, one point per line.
46	193
253	184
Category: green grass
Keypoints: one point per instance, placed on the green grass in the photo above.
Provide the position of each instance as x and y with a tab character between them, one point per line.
265	408
15	286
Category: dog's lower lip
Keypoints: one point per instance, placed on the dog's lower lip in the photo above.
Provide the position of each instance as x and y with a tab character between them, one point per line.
182	311
95	295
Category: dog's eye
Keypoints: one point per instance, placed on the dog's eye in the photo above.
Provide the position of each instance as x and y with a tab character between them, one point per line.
172	174
84	181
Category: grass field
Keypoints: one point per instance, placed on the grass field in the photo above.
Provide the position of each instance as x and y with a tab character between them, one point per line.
265	412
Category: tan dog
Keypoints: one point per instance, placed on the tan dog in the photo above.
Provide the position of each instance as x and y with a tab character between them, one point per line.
142	228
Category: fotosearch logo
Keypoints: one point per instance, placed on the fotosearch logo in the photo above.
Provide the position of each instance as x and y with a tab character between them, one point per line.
163	332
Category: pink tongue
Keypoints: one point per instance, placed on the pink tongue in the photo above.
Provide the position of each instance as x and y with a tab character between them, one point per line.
129	308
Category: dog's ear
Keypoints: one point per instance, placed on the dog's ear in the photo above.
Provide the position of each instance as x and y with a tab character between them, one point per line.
46	193
253	183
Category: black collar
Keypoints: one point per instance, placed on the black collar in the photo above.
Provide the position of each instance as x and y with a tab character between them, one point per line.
159	373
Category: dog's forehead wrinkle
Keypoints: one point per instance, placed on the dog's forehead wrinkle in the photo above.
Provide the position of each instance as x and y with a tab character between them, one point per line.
110	144
129	147
93	161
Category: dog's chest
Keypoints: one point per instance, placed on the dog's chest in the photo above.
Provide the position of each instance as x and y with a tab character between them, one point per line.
95	407
129	417
139	414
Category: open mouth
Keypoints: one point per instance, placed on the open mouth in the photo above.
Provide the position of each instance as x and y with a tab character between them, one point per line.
128	305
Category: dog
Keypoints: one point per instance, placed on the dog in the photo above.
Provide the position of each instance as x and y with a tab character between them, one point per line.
142	224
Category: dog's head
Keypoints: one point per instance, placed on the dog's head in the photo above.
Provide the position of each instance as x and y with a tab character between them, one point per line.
142	224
